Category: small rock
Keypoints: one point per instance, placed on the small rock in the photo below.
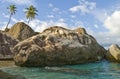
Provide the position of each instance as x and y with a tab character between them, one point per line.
113	53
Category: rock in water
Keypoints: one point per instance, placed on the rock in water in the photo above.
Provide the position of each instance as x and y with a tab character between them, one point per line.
4	75
113	53
6	46
21	31
68	70
58	46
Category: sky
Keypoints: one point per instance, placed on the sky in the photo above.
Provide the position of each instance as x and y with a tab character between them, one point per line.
100	18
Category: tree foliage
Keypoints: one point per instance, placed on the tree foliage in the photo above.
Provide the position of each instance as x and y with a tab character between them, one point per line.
12	11
31	12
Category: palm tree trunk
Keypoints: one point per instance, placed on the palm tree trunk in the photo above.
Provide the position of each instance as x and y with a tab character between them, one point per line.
9	21
28	21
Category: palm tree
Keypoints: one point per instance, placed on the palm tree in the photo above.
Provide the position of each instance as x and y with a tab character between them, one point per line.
12	10
31	11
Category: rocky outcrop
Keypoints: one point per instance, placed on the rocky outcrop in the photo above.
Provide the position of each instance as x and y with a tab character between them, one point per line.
21	31
4	75
6	46
58	46
81	31
113	53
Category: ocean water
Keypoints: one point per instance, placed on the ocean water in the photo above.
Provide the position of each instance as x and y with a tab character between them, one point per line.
97	70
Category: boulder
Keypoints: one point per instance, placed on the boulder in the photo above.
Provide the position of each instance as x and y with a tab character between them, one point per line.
6	46
57	46
21	31
113	53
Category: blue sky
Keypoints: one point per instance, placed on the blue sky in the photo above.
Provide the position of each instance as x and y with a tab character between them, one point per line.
99	17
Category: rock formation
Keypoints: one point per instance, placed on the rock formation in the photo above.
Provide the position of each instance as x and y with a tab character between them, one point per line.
58	46
6	45
21	31
113	53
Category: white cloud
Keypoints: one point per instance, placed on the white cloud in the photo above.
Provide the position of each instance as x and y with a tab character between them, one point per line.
50	5
20	2
112	35
55	9
84	7
100	15
12	18
79	24
50	16
113	23
5	15
61	20
72	16
96	26
39	25
3	25
106	39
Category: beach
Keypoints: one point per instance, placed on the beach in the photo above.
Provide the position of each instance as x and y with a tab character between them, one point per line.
6	63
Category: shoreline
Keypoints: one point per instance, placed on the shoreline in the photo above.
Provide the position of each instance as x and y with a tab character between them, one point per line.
6	63
6	59
5	75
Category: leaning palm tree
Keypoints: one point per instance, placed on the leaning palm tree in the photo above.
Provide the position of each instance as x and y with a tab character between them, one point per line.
12	10
31	11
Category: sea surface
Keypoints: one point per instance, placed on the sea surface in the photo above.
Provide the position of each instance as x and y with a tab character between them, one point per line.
97	70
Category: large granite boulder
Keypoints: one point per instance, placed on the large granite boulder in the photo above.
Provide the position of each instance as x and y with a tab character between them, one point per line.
113	53
6	46
58	46
21	31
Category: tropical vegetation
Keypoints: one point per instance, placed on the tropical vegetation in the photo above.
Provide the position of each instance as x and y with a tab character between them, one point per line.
31	12
12	10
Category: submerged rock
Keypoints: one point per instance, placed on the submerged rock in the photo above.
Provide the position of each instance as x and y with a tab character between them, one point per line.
68	70
6	46
4	75
58	46
21	31
113	53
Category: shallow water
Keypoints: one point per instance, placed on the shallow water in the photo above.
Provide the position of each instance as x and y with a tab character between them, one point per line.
98	70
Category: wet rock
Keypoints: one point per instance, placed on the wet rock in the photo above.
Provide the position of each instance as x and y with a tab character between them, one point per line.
4	75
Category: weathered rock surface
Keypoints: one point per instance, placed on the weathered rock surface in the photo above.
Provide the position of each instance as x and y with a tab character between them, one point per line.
58	46
113	53
4	75
6	46
21	31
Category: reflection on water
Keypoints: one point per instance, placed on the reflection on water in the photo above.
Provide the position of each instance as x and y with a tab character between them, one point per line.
98	70
115	66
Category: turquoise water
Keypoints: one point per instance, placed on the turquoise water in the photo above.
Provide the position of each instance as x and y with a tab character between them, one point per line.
98	70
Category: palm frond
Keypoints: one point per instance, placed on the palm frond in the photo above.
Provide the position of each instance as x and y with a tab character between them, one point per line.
31	12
